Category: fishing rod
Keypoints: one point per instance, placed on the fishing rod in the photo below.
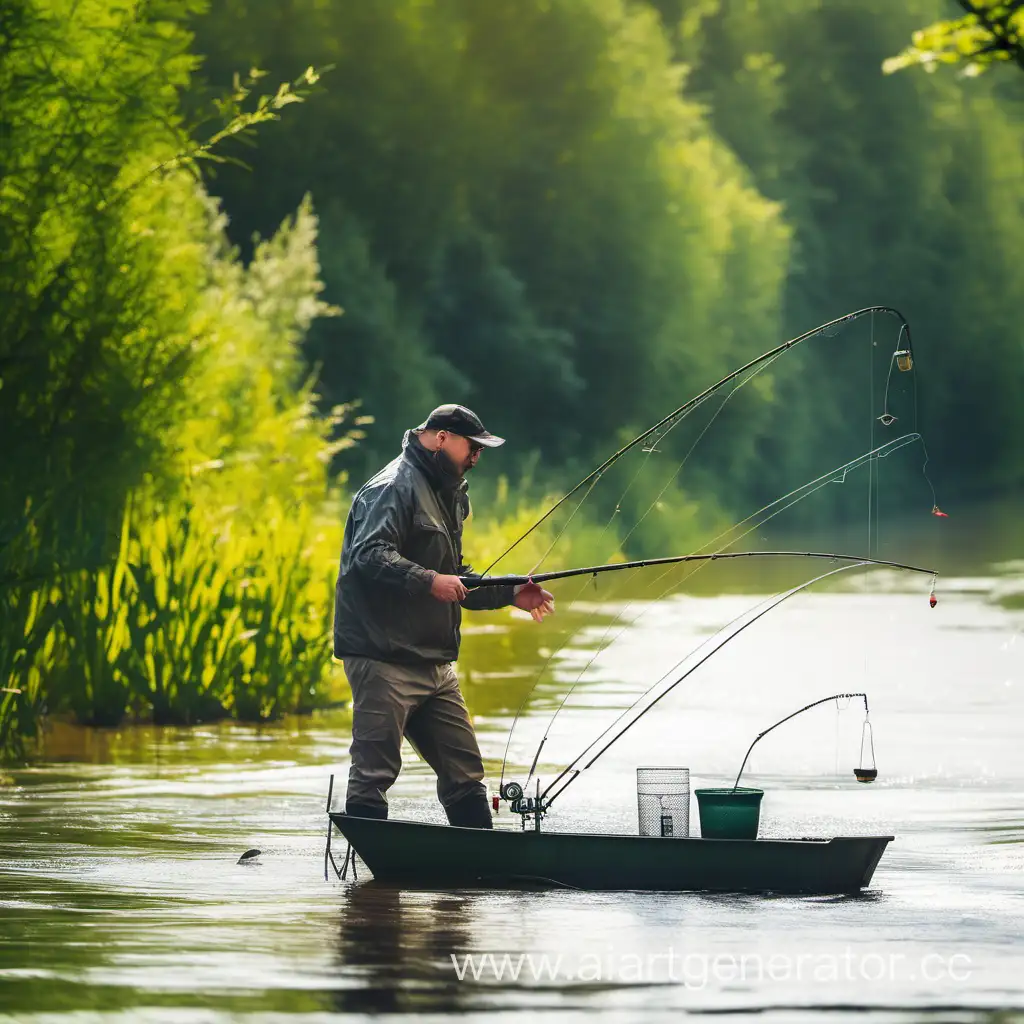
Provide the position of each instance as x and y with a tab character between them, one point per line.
570	773
932	600
863	775
836	475
903	357
472	582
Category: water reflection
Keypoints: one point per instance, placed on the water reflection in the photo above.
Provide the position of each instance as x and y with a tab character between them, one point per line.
394	949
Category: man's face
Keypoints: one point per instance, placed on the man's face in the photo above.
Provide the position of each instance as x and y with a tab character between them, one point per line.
463	452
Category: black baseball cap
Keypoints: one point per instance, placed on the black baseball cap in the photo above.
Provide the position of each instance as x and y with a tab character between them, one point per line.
460	420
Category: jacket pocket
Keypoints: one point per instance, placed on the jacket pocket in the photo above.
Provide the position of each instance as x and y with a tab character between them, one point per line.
431	545
422	521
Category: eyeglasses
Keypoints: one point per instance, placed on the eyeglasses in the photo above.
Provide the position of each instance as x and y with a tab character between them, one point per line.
474	446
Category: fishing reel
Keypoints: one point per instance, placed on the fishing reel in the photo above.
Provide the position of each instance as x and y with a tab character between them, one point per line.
526	806
512	792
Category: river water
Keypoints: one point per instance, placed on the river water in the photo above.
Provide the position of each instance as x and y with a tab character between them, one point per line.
121	898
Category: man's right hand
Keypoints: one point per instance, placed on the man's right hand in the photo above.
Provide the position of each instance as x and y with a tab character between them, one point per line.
447	588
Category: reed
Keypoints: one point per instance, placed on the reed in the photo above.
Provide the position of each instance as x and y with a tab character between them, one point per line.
194	618
27	646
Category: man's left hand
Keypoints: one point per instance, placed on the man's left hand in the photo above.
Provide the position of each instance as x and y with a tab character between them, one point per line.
533	598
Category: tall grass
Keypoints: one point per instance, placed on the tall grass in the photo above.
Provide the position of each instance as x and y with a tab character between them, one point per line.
27	642
194	618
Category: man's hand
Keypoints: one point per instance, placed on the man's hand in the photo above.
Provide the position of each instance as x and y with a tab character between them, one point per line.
447	588
533	598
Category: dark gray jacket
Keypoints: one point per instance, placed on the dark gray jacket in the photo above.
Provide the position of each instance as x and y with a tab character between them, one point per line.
404	526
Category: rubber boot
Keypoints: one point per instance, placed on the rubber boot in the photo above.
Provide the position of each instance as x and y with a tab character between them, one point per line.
378	811
471	811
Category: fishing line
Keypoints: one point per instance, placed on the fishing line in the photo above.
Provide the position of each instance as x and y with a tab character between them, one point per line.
668	483
829	329
840	708
602	645
561	532
648	452
773	602
700	437
872	475
536	682
927	479
836	769
871	417
839	475
887	418
883	451
811	488
668	423
924	466
756	611
871	458
597	475
646	693
544	738
814	485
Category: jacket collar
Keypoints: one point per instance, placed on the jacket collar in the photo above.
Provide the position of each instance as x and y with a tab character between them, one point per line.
435	466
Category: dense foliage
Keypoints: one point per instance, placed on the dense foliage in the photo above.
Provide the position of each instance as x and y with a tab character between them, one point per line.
903	190
163	470
590	208
520	208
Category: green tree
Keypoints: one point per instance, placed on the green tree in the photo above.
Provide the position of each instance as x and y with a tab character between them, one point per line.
901	190
989	31
106	234
92	340
143	367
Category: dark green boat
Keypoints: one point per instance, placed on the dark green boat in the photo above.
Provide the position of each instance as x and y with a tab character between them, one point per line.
426	856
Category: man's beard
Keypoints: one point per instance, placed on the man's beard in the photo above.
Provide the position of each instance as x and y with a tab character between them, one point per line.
456	468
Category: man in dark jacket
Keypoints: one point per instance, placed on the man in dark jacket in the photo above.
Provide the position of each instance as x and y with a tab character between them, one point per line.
397	614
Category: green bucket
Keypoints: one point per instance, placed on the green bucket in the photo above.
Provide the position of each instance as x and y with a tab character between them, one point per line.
729	813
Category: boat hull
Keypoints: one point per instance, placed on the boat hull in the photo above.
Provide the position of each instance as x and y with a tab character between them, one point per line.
420	855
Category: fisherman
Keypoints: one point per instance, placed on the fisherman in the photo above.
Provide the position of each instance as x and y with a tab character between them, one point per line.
398	608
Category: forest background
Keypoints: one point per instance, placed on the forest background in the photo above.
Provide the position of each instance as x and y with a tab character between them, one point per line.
570	215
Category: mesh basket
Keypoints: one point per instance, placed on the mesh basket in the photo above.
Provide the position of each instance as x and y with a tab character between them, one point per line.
663	802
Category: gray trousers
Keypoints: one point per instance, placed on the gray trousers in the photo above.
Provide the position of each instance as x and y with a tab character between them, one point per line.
422	703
